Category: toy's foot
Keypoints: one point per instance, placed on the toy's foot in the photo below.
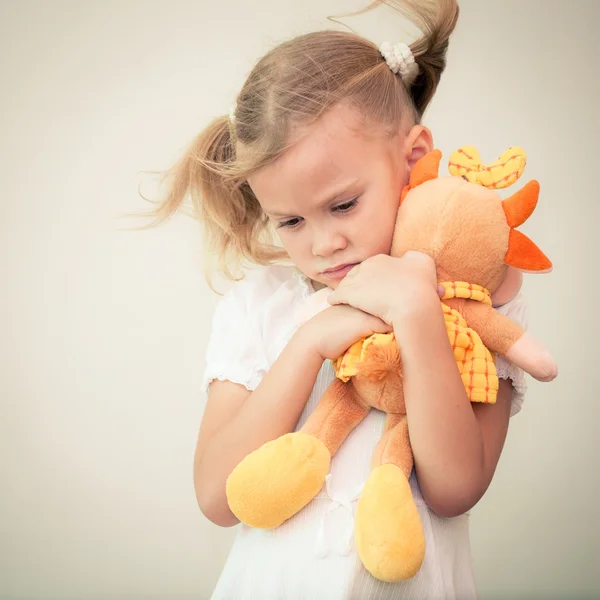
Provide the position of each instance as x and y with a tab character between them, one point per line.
388	531
276	481
529	354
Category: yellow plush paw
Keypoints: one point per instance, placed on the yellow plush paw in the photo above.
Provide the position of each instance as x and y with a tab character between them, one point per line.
388	531
276	481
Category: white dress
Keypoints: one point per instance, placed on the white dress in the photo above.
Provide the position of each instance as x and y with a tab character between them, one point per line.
312	555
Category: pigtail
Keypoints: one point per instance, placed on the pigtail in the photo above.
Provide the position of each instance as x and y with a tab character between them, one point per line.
235	228
201	168
436	20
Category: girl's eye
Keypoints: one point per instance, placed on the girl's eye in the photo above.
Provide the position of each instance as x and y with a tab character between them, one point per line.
346	206
340	208
291	223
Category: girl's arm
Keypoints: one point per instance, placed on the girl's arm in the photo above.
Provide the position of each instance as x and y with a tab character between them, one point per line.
237	422
456	445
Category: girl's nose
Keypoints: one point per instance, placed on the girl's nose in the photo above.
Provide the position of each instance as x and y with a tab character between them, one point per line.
326	243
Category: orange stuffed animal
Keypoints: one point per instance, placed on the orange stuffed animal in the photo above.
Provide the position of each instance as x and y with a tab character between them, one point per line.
470	233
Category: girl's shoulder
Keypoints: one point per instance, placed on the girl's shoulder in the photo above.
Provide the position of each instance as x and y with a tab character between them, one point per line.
251	323
271	276
266	287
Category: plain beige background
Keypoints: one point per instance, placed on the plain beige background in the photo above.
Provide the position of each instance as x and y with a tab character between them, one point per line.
103	331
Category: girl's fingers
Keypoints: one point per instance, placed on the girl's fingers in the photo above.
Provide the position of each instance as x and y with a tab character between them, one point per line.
353	271
334	298
382	327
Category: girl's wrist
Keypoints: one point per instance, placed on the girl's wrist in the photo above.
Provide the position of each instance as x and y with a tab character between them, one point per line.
422	306
420	331
308	342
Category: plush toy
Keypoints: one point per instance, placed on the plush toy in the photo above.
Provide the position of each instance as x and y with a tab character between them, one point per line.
470	233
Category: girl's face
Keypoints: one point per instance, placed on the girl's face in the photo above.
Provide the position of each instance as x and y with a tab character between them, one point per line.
333	196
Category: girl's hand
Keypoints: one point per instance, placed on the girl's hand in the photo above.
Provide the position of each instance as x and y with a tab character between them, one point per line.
335	329
390	288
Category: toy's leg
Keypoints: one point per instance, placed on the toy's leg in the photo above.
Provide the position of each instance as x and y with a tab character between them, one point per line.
276	481
394	445
388	530
501	334
337	414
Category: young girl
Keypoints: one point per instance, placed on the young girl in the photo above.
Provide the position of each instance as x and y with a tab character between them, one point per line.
318	147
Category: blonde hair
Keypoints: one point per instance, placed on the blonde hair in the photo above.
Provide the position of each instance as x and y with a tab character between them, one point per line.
294	84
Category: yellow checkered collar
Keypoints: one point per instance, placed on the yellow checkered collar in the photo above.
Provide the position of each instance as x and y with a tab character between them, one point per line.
468	291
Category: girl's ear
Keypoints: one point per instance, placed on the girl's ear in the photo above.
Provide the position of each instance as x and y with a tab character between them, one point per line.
509	287
417	144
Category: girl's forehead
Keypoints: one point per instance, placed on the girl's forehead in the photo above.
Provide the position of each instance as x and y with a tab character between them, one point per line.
325	154
340	129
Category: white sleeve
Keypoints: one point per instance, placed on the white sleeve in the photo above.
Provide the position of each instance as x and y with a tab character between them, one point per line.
516	310
235	350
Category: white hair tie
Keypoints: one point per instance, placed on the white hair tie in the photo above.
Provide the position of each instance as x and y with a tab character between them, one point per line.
400	59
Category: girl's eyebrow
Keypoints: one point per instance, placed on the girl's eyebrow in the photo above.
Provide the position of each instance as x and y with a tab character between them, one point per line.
333	194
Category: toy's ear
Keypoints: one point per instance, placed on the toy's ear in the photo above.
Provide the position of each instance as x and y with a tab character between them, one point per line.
522	252
425	169
519	207
509	288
